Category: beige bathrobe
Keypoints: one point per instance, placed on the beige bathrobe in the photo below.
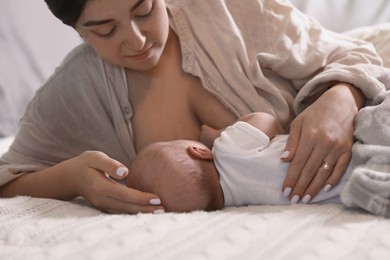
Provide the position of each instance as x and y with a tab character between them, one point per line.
252	55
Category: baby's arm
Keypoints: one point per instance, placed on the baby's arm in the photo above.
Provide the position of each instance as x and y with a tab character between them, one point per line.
262	121
208	134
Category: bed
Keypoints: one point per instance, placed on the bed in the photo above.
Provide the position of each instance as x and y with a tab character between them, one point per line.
33	228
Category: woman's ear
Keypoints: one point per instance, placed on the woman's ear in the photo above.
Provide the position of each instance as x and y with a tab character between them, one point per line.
200	153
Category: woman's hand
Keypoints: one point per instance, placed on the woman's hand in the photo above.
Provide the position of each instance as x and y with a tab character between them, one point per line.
90	175
94	174
320	143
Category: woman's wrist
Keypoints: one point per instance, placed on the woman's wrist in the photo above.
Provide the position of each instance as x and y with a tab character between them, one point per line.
347	90
48	183
70	180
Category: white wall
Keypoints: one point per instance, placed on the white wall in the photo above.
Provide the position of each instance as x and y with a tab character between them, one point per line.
342	15
32	44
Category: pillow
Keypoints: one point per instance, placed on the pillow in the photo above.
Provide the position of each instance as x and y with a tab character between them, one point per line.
32	43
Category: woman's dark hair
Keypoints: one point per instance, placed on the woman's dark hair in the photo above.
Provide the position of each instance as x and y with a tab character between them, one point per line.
68	11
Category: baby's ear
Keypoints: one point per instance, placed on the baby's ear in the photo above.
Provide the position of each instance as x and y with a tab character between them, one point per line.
200	153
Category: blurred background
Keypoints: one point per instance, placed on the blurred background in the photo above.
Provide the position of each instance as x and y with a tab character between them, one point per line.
33	43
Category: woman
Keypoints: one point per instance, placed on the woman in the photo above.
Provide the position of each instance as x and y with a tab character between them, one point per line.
157	71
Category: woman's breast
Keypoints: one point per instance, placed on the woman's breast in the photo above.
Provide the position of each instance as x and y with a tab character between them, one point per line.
175	109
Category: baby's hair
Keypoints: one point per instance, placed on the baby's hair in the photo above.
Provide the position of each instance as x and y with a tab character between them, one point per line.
168	170
202	182
207	185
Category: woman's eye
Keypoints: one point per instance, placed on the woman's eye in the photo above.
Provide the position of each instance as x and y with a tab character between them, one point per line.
145	10
144	15
109	34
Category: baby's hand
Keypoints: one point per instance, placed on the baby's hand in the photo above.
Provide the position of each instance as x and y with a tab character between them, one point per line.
208	135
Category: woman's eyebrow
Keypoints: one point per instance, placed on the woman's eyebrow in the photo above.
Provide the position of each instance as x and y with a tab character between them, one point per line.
104	21
137	4
97	22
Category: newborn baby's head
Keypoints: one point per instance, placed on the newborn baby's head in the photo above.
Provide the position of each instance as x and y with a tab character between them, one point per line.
184	183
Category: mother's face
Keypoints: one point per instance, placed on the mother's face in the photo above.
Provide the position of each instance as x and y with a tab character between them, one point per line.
128	33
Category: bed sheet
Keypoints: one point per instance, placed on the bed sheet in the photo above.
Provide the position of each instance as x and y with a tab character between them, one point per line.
32	228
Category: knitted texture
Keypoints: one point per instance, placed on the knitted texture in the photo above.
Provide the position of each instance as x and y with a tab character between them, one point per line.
32	228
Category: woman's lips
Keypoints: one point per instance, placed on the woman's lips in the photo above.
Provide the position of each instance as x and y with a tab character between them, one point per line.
141	56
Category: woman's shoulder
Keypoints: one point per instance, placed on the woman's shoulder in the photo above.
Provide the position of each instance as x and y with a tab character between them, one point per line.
82	71
82	53
82	64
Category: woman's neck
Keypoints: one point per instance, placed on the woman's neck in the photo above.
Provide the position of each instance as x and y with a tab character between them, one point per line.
170	57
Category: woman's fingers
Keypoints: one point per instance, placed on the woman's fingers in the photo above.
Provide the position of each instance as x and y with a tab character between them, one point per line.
131	196
316	165
106	194
305	177
313	177
338	171
118	198
302	170
327	177
297	154
110	196
293	141
101	162
325	130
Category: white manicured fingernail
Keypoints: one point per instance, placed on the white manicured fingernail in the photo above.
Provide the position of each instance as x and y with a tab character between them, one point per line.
327	187
285	155
286	192
159	211
295	199
121	171
306	199
155	202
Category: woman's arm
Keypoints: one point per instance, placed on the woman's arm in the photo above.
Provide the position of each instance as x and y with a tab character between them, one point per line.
86	176
315	60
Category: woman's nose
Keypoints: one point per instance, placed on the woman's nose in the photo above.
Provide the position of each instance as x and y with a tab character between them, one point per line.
134	37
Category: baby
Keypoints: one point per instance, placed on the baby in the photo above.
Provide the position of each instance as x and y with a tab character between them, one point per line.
243	168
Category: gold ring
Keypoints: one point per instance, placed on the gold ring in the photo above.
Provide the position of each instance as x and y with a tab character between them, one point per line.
326	166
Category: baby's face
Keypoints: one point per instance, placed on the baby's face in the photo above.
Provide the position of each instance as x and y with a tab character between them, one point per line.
182	182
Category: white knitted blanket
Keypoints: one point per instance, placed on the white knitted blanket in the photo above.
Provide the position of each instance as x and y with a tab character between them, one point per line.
32	228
